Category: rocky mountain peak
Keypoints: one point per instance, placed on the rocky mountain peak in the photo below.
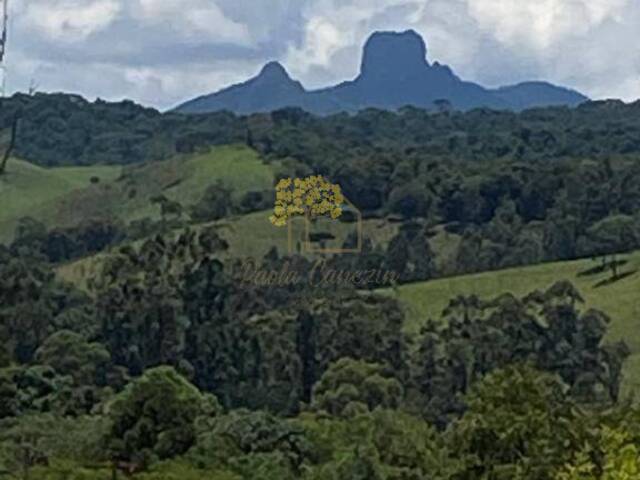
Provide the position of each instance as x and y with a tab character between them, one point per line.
394	53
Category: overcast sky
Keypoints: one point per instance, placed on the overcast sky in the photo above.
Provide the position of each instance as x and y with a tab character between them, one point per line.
161	52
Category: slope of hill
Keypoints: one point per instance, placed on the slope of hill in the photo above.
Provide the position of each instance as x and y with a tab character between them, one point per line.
183	179
394	73
65	130
618	299
249	236
426	300
29	190
65	196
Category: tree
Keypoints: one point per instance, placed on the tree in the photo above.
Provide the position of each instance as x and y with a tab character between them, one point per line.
255	444
9	143
423	259
409	254
37	388
22	449
15	115
353	386
167	207
383	444
254	201
30	300
148	298
216	203
612	235
155	417
544	328
411	200
70	354
514	426
30	237
468	257
615	456
397	255
443	105
32	446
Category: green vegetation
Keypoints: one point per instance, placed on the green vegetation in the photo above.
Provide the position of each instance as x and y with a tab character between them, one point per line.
28	190
185	180
65	196
427	300
59	129
173	370
129	347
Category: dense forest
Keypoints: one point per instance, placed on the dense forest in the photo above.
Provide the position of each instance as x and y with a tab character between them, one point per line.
58	129
164	366
167	366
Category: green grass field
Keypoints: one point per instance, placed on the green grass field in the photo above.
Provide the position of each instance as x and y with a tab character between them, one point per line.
26	189
65	196
253	235
185	179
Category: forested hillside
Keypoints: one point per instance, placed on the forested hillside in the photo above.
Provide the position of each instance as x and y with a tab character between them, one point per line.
61	129
294	382
545	184
134	344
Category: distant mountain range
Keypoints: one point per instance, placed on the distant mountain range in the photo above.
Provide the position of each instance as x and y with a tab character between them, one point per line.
394	73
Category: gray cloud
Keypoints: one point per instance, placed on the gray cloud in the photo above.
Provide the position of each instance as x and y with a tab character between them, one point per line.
160	52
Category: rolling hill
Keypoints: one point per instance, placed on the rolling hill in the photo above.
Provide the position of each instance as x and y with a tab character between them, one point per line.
619	299
64	196
29	190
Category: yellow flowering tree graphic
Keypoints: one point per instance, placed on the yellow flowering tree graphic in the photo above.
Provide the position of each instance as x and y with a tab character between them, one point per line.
310	197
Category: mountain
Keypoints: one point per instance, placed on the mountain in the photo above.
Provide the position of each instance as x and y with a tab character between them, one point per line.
272	89
394	73
534	94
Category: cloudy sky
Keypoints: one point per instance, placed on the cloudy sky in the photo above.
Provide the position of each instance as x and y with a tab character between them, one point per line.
161	52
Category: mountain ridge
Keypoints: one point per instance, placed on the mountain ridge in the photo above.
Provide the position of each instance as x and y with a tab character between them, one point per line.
395	72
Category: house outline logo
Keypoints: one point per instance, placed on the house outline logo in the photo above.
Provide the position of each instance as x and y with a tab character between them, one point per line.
312	197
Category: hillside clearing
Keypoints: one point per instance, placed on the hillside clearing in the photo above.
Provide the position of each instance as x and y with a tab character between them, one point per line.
29	190
64	196
619	300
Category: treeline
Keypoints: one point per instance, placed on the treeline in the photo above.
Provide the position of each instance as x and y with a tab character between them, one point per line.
63	129
170	359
